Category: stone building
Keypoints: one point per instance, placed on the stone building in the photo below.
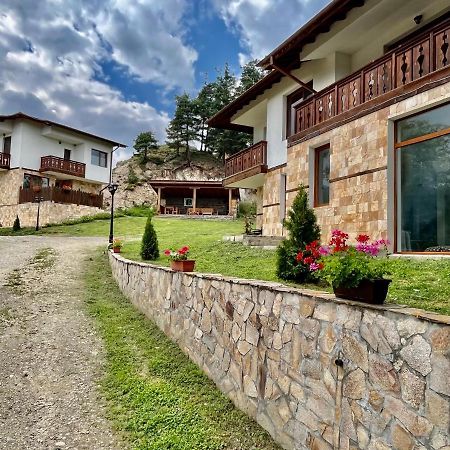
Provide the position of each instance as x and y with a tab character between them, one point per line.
57	166
355	106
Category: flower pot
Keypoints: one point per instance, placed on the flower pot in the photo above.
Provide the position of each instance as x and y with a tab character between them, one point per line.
368	291
116	250
186	265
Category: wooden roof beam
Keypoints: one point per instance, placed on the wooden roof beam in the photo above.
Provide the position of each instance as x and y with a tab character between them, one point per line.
287	73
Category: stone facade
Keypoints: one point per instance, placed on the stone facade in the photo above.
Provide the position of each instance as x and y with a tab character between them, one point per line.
272	224
50	213
314	371
10	183
359	158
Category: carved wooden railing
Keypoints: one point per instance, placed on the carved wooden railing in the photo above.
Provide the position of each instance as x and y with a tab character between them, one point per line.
254	156
5	160
57	195
422	55
56	164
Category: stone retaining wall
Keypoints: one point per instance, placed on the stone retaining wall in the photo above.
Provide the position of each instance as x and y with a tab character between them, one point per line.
316	372
49	213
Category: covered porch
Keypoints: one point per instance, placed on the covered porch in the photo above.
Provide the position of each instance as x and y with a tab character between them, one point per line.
183	197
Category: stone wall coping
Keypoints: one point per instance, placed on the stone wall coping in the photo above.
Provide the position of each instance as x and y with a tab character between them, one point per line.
309	293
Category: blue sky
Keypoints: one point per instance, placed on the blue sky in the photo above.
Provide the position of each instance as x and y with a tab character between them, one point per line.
113	67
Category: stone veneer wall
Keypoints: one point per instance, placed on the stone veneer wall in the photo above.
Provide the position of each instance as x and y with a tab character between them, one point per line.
10	183
273	351
49	213
358	171
271	223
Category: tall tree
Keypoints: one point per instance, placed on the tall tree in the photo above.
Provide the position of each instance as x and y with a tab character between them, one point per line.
185	122
204	110
250	75
174	136
143	143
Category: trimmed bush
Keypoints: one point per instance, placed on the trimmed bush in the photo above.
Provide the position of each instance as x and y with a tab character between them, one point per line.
149	247
16	225
303	229
246	208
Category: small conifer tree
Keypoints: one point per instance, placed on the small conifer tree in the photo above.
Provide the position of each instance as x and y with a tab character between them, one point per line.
303	229
149	247
16	225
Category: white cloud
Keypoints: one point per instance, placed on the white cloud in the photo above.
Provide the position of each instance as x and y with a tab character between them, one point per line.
263	24
52	51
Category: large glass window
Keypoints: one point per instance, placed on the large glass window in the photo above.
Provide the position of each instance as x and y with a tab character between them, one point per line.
99	158
423	181
322	176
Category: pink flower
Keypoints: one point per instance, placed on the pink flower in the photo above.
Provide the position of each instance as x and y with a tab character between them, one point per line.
314	266
167	252
324	250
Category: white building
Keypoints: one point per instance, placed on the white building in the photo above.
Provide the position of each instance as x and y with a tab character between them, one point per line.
62	167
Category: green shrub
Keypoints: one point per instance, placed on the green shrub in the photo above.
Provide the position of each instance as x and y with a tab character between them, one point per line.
156	159
303	229
132	178
246	208
16	225
149	247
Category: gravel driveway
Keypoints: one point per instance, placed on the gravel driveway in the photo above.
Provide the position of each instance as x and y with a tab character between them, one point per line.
50	355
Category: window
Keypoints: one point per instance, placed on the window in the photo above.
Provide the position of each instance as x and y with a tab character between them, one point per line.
67	154
188	202
322	176
7	145
292	101
423	181
99	158
33	180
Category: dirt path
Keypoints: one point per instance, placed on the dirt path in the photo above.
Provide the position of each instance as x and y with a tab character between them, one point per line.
50	355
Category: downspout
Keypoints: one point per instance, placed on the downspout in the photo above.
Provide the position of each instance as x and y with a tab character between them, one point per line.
111	164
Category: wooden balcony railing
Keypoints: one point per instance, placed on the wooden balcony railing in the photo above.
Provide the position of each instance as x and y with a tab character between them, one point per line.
57	195
422	55
5	160
252	157
61	165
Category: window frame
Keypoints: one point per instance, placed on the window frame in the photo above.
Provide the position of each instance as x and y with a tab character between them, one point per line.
292	100
317	152
100	153
186	202
398	145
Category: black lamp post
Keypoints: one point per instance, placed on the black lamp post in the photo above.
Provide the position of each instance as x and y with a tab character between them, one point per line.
112	188
38	199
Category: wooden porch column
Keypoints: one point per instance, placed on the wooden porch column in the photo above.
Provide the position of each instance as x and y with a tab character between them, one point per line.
159	200
194	199
230	201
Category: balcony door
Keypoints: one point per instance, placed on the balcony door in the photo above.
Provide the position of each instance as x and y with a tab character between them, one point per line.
7	145
423	181
66	154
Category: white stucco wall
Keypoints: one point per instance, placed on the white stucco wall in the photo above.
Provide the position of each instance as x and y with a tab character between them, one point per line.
28	145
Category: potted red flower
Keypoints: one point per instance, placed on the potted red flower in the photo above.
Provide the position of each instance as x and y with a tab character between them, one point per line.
355	272
179	259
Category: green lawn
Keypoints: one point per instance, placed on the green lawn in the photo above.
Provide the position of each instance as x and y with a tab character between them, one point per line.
157	397
417	283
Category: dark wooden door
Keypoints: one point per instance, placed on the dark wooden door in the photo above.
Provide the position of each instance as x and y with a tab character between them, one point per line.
7	145
67	154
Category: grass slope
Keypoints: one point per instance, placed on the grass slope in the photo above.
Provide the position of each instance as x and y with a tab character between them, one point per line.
157	396
421	283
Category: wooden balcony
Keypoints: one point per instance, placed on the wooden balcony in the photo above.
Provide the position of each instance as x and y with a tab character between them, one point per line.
61	165
57	195
393	74
5	160
245	168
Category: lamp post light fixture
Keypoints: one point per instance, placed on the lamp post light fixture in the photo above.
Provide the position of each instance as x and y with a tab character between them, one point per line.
112	188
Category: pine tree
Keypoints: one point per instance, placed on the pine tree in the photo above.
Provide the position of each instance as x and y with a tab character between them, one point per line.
303	229
143	143
149	247
173	139
250	75
16	225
